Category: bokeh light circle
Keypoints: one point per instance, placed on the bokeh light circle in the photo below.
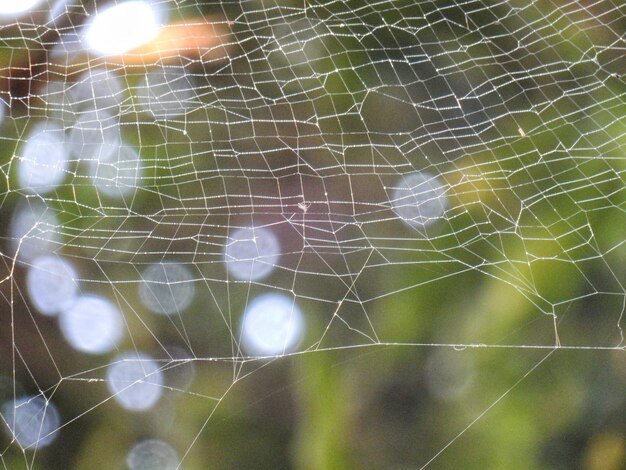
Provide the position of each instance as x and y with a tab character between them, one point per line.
34	230
166	288
44	160
31	420
52	284
135	381
92	325
272	325
419	199
152	454
251	254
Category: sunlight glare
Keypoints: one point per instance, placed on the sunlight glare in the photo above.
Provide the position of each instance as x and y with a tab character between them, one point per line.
122	27
8	7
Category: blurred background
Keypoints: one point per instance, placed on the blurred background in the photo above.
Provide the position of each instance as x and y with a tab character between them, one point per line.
312	235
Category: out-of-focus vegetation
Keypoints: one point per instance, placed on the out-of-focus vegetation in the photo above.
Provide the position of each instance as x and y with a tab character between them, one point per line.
305	127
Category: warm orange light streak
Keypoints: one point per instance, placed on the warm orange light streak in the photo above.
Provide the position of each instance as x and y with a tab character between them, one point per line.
209	42
194	40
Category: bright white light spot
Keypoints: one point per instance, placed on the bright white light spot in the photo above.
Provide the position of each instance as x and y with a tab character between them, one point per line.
52	284
272	325
55	99
34	230
167	288
152	454
8	7
92	325
32	421
252	253
95	136
122	27
167	92
44	160
118	175
135	381
419	199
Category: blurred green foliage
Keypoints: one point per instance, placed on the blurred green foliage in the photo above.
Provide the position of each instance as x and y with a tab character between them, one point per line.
530	256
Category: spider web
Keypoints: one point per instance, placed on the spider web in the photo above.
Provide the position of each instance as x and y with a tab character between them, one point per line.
343	205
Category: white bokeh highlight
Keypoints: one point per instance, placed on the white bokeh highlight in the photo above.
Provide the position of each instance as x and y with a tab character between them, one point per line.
92	325
34	230
135	381
419	199
153	454
166	288
272	325
97	89
122	26
52	284
251	253
43	162
31	421
55	97
119	174
95	136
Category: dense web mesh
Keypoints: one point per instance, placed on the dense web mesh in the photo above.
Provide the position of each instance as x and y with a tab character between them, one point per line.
242	197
